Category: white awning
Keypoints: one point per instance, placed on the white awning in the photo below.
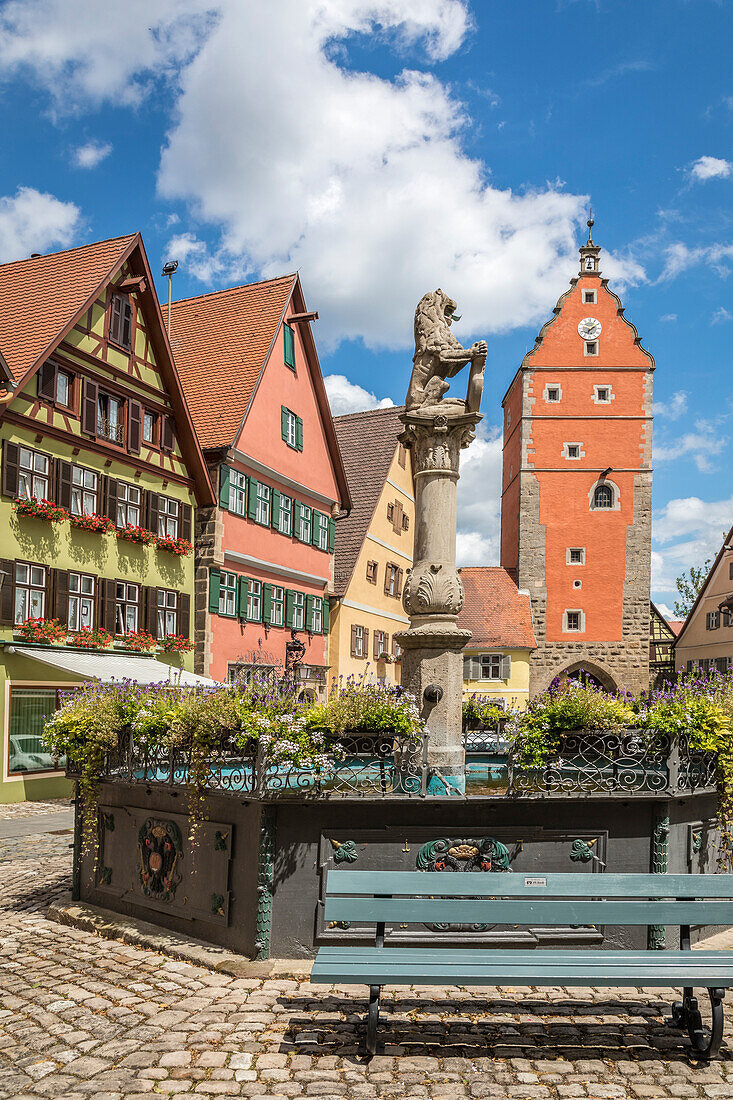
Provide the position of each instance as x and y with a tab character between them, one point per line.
109	667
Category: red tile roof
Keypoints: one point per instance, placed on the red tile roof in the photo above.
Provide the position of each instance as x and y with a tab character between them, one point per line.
41	297
220	343
675	625
367	441
495	612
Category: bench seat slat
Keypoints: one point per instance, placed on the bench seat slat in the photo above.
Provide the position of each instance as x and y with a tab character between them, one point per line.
430	966
520	911
512	884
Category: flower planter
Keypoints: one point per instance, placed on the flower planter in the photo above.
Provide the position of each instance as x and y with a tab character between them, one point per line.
42	631
90	639
100	525
176	643
39	509
180	547
139	641
139	535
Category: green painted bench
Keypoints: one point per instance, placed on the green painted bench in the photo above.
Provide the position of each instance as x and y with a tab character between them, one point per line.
429	897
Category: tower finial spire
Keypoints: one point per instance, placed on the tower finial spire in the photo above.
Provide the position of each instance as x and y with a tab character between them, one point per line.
590	223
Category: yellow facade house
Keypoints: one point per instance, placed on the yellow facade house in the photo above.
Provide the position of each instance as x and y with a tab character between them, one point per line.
499	616
99	479
373	547
705	641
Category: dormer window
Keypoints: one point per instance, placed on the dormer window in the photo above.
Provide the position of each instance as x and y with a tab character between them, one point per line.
120	321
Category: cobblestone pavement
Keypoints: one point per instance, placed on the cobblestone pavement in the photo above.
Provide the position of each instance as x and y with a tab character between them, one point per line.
86	1017
12	810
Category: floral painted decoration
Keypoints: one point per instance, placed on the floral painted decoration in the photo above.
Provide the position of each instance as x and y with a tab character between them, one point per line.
176	643
139	640
40	509
181	547
86	638
103	525
141	535
42	631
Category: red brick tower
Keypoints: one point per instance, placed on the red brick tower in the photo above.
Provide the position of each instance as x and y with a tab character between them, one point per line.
577	486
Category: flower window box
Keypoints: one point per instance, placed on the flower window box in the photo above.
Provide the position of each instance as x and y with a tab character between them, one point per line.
99	638
141	641
176	643
181	547
46	510
41	631
140	535
102	525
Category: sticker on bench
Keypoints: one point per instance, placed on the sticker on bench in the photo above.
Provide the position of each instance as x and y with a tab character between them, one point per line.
535	881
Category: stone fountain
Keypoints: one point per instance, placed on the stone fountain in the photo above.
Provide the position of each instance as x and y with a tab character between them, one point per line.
437	428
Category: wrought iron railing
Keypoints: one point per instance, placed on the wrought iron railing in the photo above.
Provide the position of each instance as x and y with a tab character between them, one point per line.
363	765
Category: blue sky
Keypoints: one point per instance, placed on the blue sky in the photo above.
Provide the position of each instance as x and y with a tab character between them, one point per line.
385	147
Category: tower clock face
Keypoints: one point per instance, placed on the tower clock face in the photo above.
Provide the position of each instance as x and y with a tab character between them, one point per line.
590	328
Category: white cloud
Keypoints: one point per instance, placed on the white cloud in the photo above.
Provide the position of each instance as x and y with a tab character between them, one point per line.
479	499
674	408
701	445
34	221
686	532
81	57
668	317
680	257
721	314
194	255
347	397
710	168
91	154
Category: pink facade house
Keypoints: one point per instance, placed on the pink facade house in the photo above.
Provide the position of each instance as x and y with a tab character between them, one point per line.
264	555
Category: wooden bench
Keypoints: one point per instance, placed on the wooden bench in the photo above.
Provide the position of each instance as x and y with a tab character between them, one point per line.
427	897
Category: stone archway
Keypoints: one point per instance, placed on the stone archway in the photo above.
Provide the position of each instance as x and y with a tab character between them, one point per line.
588	672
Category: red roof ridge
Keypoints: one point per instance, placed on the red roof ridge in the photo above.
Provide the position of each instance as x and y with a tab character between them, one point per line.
234	289
391	409
66	251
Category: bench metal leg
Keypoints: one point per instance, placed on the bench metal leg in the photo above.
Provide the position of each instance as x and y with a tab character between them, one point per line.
686	1014
373	1018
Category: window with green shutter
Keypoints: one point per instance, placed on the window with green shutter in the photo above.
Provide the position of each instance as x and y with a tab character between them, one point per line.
298	434
304	524
326	611
266	603
289	605
315	614
254	601
331	536
237	493
252	498
214	587
298	622
285	515
319	536
289	346
277	606
289	426
242	597
228	594
224	475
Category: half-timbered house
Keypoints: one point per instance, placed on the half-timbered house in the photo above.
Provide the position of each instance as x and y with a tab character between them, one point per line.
101	472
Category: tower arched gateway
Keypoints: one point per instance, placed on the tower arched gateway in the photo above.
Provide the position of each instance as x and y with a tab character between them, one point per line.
577	484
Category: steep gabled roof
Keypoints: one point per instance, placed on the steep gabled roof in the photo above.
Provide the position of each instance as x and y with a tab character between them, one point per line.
727	541
367	441
495	611
42	298
221	342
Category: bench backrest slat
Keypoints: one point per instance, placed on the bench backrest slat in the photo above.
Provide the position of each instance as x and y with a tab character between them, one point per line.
529	911
527	885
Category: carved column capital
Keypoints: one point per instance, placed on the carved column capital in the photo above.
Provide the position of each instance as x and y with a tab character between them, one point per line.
436	438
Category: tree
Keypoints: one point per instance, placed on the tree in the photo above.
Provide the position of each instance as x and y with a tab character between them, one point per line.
688	585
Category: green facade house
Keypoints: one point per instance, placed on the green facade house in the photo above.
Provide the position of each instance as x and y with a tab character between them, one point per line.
101	473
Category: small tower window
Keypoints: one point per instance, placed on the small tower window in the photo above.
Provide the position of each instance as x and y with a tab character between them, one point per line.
603	395
575	555
553	393
591	347
574	622
603	496
589	297
573	450
590	263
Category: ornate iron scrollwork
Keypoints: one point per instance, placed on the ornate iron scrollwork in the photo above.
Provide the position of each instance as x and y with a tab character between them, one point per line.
161	850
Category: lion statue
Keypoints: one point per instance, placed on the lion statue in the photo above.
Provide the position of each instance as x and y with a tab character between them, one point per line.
439	356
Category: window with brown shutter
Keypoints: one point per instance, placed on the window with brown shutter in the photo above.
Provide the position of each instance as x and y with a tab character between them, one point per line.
390	512
108	605
353	638
400	575
397	517
402	455
120	322
167	433
90	395
405	523
61	595
110	499
7	592
185	525
63	484
47	381
134	426
153	509
371	572
184	615
10	468
151	611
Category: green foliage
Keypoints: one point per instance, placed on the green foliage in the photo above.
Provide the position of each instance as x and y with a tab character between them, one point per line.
688	585
366	706
481	712
566	705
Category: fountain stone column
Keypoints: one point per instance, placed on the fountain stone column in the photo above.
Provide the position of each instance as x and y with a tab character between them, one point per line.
435	431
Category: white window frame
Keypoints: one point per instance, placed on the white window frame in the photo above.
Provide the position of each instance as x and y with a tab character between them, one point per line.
237	492
590	349
322	532
490	658
167	612
286	513
254	600
264	498
228	583
566	451
316	624
84	491
306	523
277	601
127	607
570	550
590	297
554	386
169	515
152	418
359	641
291	430
127	505
298	610
82	599
615	507
30	579
573	611
597	399
33	474
64	400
